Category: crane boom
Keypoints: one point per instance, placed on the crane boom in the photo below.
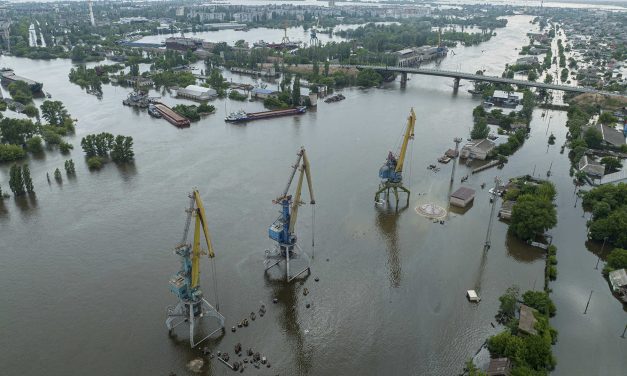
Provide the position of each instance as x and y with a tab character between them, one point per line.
409	133
196	250
304	170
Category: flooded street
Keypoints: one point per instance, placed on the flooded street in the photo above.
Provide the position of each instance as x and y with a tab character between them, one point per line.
86	263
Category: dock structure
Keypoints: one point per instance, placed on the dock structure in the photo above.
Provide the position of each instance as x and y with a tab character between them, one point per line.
8	77
485	166
171	116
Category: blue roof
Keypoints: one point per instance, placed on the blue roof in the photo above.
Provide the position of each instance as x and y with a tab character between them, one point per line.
263	91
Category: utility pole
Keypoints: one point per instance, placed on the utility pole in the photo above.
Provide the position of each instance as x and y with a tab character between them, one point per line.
587	304
493	200
624	330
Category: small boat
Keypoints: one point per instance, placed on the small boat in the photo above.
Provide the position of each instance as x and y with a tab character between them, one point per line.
488	104
152	111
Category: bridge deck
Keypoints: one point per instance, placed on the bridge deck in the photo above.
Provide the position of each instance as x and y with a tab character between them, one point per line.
478	77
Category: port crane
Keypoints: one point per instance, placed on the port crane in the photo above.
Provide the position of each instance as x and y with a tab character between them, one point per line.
391	173
282	230
185	284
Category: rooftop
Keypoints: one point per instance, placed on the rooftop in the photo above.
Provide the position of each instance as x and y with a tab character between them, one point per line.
499	367
464	193
527	320
618	278
611	135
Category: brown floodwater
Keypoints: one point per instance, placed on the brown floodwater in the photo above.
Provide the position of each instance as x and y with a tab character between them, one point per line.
85	263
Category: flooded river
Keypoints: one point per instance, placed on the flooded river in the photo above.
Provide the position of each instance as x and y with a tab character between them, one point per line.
85	264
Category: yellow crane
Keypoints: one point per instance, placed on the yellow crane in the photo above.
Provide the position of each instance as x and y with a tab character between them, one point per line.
391	173
185	284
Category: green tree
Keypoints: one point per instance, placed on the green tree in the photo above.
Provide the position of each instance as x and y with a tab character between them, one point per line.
94	162
532	75
296	91
368	77
539	300
480	129
20	91
548	78
34	145
617	259
607	118
10	153
69	167
326	68
611	164
30	110
316	68
122	150
54	112
508	301
134	70
16	181
16	131
531	216
57	175
216	80
593	138
28	181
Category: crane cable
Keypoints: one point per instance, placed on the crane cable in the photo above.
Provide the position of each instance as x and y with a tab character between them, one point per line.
215	283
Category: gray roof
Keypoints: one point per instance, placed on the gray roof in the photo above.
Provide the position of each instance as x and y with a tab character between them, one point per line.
464	193
591	167
611	135
484	144
527	320
618	278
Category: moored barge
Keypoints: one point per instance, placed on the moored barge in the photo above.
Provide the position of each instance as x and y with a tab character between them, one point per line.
168	114
242	116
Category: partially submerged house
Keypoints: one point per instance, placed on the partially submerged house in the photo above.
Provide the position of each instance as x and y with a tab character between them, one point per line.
591	167
477	149
527	321
499	367
462	197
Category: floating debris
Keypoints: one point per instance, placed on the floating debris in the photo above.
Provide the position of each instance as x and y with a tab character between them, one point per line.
305	291
431	210
196	365
238	348
317	279
275	300
252	316
307	305
233	329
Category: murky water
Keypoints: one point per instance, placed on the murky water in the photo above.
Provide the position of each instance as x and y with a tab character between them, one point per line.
85	264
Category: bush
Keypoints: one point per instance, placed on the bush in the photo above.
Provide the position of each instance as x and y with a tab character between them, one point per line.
34	145
11	153
532	215
237	96
65	147
617	259
274	102
540	301
30	110
94	163
205	108
368	77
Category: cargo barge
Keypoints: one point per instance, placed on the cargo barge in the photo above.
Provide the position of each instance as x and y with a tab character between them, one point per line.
9	77
168	114
242	116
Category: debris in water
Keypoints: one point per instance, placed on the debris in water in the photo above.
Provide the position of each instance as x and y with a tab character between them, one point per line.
225	356
233	329
305	291
307	305
249	352
196	365
317	279
252	316
275	300
238	348
263	360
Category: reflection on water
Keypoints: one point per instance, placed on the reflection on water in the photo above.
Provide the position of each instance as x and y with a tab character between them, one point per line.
387	224
27	204
287	295
521	251
127	170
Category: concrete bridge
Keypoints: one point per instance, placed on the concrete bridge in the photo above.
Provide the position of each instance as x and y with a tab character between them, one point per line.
457	76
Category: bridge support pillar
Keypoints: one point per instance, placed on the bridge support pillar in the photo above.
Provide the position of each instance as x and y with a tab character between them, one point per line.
456	85
403	79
